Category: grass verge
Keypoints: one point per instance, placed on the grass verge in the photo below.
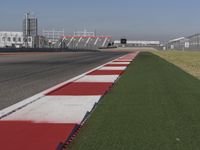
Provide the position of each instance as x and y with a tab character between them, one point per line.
188	61
154	106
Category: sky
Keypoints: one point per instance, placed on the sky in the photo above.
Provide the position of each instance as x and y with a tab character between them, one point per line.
134	19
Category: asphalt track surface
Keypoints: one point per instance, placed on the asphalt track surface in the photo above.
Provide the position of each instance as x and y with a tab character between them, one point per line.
24	75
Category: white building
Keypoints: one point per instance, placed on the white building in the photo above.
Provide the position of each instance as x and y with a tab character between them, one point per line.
13	39
138	43
181	43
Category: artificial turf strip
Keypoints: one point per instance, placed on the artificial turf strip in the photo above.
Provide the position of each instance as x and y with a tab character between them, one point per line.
154	106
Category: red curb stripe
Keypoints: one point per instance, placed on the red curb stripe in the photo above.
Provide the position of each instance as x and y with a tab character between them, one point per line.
21	135
85	88
107	72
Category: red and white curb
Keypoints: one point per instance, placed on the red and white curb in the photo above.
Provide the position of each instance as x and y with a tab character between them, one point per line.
47	119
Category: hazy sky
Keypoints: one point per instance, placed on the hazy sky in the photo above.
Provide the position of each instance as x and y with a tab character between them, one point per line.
134	19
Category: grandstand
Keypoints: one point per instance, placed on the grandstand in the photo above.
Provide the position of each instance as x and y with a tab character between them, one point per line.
84	40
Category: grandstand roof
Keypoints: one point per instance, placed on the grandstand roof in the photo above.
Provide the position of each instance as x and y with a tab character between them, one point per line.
72	36
177	39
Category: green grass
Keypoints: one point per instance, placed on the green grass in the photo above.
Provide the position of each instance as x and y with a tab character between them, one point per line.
188	61
154	106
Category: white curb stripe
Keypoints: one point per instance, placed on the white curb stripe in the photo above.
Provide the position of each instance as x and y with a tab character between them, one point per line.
120	63
113	68
98	78
56	109
125	60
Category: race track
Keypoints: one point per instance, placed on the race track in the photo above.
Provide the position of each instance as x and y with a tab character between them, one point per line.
24	75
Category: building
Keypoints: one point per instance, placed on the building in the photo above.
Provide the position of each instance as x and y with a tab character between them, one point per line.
30	25
181	43
194	42
30	30
11	39
137	43
185	43
28	38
